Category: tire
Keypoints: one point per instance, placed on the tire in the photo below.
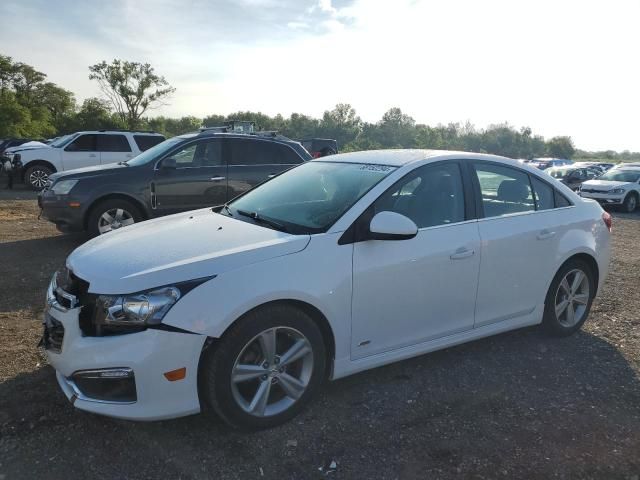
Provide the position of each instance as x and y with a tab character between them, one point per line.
235	398
630	202
121	211
559	321
36	177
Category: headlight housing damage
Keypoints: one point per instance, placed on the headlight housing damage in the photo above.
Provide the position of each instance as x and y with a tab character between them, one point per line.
136	311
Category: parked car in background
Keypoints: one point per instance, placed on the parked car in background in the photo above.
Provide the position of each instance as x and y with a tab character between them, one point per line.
11	142
340	265
320	147
544	163
627	164
183	173
603	165
619	186
572	176
81	149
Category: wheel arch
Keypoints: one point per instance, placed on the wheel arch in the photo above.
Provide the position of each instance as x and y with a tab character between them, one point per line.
589	260
34	163
316	315
114	196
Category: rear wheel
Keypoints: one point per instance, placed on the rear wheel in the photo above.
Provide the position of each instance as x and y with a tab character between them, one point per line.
265	369
569	298
630	202
112	215
37	176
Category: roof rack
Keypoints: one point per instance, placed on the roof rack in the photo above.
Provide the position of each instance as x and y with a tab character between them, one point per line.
125	130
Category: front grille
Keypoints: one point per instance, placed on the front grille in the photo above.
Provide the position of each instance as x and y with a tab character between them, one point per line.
593	190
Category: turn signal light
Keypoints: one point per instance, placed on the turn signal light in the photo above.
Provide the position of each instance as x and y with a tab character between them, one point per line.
175	375
606	218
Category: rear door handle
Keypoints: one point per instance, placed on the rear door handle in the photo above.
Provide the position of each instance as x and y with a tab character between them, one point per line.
545	234
462	252
217	179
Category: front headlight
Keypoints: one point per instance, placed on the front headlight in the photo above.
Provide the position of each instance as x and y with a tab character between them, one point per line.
138	310
617	191
63	187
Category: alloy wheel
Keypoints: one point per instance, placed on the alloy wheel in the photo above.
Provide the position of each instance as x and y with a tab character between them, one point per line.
272	371
113	219
631	203
38	178
572	298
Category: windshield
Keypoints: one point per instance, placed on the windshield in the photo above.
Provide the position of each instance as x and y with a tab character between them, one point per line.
621	176
308	198
154	152
62	141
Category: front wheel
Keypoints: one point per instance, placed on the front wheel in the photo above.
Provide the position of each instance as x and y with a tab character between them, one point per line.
630	203
265	369
111	215
569	298
37	176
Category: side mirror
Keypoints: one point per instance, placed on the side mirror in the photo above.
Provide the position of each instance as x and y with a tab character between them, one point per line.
392	226
168	164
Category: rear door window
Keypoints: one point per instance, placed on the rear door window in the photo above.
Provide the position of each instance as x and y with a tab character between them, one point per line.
260	152
113	143
504	190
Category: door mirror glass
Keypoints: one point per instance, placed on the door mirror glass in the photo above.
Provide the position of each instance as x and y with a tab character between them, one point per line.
392	226
168	164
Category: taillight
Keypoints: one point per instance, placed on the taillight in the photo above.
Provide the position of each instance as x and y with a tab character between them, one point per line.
606	218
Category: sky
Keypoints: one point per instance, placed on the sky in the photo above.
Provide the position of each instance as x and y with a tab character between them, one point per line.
561	67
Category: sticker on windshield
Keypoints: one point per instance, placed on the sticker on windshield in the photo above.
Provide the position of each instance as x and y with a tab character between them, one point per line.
376	168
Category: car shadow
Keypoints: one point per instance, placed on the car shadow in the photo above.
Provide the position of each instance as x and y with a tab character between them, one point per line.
27	267
541	402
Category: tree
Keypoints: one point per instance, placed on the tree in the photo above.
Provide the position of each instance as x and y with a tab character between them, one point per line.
341	124
561	147
132	88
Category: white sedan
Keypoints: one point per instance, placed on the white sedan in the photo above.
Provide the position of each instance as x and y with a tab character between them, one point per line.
340	265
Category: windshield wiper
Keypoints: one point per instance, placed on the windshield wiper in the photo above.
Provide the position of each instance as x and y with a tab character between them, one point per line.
264	220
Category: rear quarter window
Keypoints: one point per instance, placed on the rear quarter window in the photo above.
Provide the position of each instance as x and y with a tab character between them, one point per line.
145	142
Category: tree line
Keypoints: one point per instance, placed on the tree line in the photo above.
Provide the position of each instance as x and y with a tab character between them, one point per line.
30	106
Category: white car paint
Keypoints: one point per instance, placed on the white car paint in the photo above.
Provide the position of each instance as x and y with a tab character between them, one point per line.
610	192
384	300
62	159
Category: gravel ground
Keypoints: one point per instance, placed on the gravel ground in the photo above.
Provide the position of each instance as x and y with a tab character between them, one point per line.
519	405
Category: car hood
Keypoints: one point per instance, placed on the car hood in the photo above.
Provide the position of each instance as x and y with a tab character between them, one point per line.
605	183
24	148
88	171
175	249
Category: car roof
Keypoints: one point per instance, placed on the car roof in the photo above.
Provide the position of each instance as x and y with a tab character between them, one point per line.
398	158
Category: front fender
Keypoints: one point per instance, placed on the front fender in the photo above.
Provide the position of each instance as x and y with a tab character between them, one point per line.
316	275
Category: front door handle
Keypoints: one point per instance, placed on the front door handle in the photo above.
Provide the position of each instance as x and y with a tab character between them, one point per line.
545	234
462	252
217	179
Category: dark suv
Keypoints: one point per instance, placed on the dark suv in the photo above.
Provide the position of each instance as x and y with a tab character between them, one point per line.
190	171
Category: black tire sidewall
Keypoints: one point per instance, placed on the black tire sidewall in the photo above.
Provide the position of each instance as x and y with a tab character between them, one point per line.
32	169
215	374
626	202
97	211
550	321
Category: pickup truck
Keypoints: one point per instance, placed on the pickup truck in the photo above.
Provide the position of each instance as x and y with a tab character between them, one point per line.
78	150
